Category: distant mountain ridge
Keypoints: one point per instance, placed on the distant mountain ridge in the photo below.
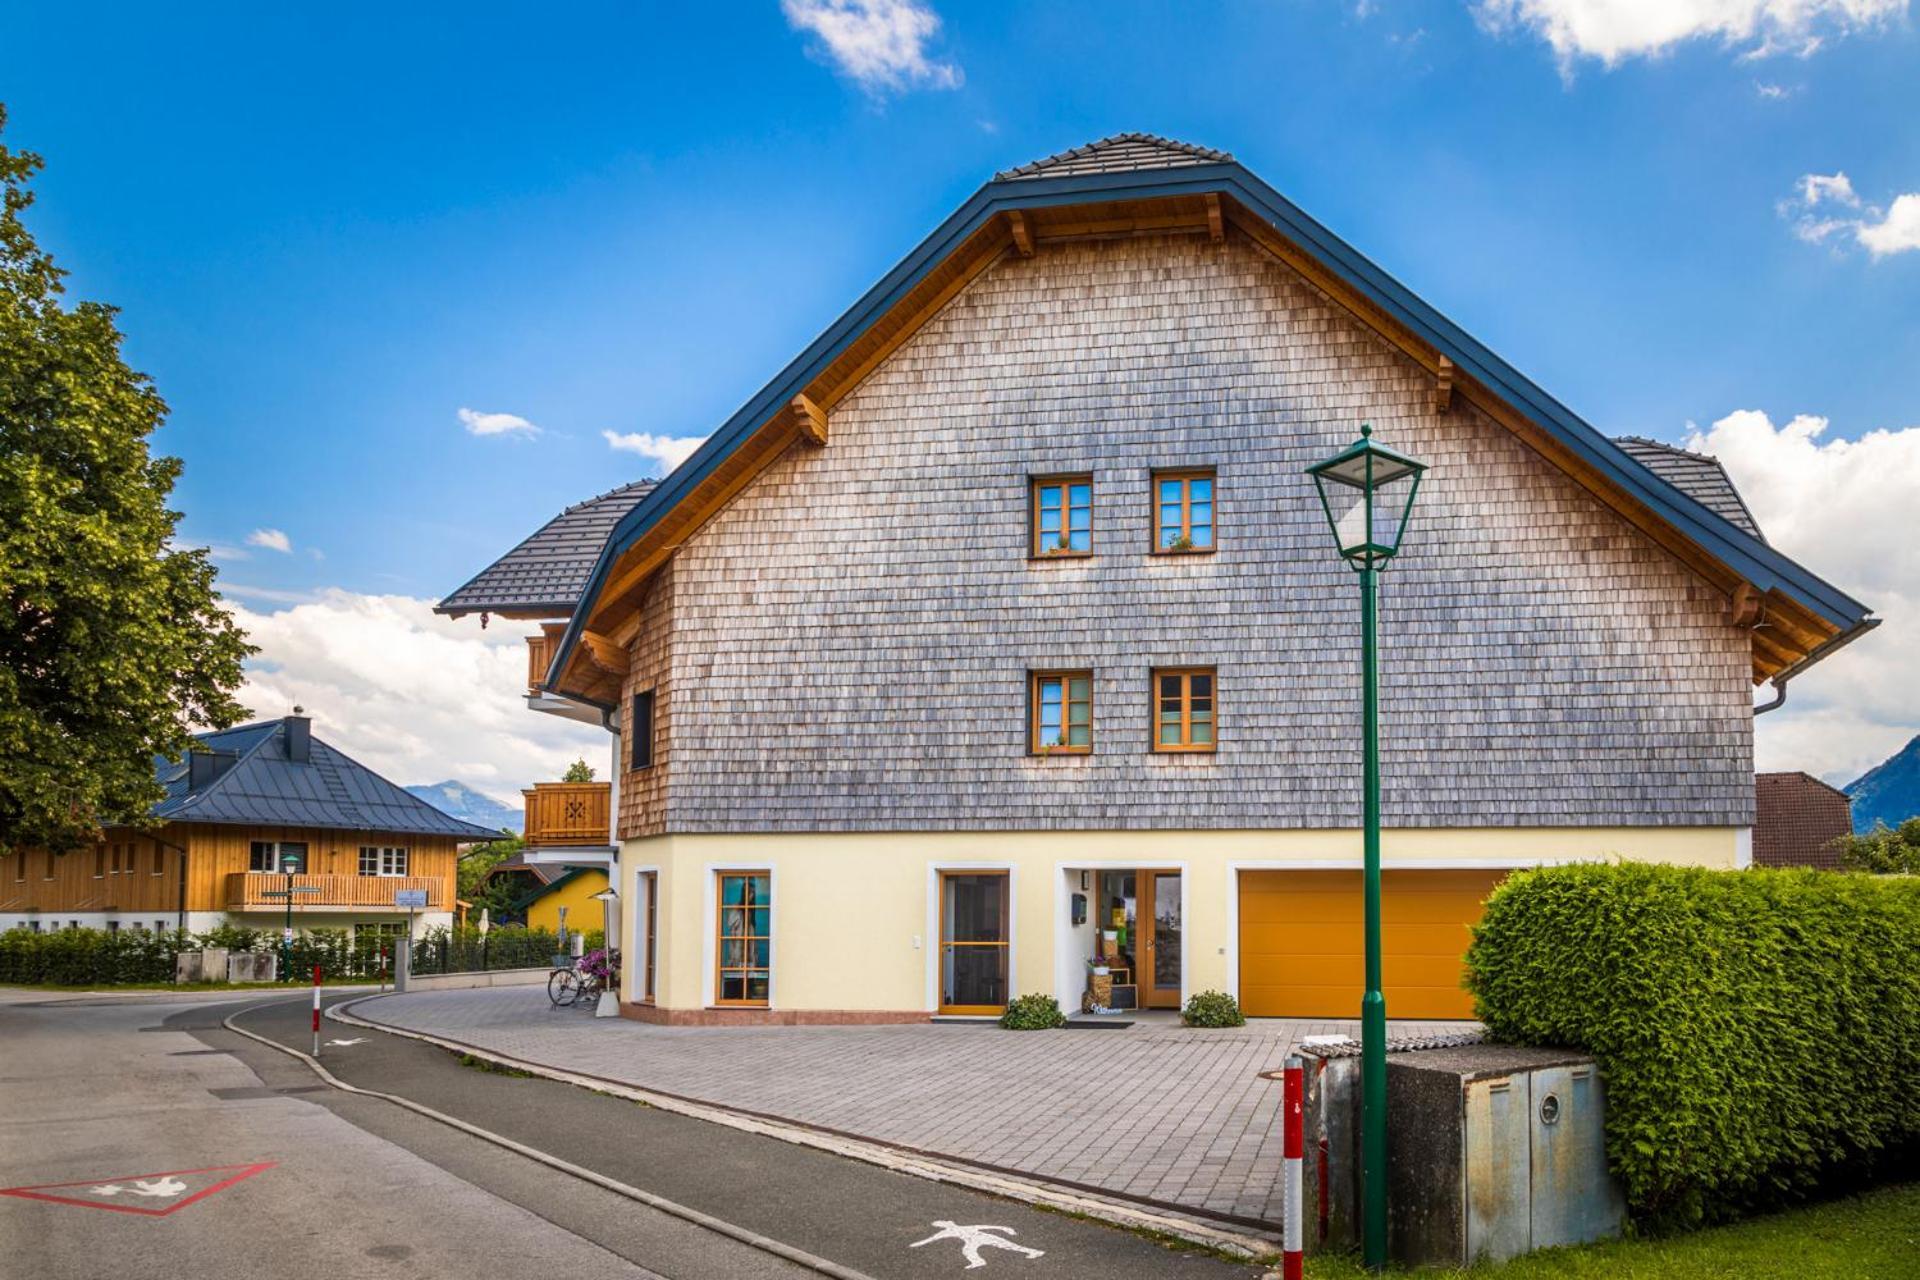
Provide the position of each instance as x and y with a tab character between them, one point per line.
462	801
1889	792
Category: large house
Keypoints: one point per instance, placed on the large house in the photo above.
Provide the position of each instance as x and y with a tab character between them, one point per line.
1001	631
250	812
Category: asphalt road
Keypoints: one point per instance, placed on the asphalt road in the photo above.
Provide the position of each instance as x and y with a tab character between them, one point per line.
359	1187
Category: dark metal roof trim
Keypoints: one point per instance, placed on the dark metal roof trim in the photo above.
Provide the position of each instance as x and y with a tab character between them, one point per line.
1760	564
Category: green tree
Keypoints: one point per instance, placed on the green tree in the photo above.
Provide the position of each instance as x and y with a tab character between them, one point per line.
113	643
1884	850
578	771
475	888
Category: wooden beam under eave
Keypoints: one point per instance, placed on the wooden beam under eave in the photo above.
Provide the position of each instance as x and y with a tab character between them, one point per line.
809	420
604	653
1443	386
1781	654
1216	220
1021	232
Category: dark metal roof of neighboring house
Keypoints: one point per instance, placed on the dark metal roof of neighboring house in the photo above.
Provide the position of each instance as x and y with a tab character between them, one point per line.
1796	819
547	571
328	790
1700	476
1120	153
1033	186
544	872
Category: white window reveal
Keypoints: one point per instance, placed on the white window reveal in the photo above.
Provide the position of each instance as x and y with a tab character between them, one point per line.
382	860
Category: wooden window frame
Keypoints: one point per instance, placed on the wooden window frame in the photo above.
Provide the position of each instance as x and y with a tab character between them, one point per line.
1005	944
159	859
100	861
49	872
721	938
1186	476
273	857
1034	680
1186	745
1064	482
389	861
640	731
649	963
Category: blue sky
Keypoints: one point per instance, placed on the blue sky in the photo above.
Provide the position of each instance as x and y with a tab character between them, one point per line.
332	229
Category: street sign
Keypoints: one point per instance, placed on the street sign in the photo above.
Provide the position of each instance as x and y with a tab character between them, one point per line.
411	899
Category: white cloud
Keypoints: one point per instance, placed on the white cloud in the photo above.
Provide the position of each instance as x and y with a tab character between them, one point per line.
1881	233
413	696
1613	31
1773	92
881	44
272	540
1838	507
496	424
668	451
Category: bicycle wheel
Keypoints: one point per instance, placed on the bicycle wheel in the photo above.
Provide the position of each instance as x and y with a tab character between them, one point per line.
563	987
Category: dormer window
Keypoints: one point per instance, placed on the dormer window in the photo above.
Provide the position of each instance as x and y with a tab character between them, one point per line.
1062	517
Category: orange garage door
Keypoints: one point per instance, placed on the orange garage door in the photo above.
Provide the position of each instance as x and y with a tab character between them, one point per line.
1301	940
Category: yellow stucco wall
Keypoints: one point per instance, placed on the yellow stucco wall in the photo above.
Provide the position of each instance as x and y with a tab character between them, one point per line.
576	895
854	924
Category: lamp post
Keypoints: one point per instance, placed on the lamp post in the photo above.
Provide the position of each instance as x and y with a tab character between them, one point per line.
1367	492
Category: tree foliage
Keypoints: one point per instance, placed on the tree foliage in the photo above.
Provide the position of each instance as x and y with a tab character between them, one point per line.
578	771
475	889
113	643
1884	850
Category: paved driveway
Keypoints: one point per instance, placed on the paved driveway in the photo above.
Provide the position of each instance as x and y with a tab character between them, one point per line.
1155	1110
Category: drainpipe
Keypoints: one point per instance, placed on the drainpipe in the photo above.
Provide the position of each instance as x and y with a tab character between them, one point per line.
1779	696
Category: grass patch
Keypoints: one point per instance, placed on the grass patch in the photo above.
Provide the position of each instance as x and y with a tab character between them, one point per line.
492	1068
1871	1236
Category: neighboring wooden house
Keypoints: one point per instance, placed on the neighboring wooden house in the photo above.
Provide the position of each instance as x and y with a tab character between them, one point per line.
1001	630
1799	821
244	805
572	890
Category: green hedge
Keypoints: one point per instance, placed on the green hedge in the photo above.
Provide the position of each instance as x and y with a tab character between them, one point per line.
1758	1031
101	957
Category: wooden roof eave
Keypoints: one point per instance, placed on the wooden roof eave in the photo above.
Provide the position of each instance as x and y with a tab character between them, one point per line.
981	230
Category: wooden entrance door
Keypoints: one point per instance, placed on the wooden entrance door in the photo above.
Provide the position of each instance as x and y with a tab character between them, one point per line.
1160	947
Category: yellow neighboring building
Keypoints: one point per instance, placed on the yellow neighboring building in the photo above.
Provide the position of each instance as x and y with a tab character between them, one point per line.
574	891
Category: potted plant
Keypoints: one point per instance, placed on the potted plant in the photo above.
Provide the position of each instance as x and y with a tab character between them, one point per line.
604	965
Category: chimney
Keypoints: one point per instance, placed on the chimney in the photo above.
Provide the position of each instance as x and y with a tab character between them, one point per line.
299	739
203	767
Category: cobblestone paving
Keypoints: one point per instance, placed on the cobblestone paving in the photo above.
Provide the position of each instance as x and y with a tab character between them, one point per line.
1155	1110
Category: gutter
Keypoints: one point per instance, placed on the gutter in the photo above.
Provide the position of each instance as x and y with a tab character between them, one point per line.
1839	642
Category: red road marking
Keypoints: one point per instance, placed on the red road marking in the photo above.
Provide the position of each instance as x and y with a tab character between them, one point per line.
41	1192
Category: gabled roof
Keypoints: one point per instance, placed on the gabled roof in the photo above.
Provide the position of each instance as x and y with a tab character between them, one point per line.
1797	818
543	576
1697	475
542	872
327	790
1150	182
540	891
1121	153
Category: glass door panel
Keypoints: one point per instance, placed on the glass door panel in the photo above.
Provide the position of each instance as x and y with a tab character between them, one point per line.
1160	925
973	942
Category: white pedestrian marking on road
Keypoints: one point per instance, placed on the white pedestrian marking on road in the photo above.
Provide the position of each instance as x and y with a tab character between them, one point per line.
975	1238
355	1040
163	1186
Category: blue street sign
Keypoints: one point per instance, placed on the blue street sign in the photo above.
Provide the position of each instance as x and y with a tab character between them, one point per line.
411	899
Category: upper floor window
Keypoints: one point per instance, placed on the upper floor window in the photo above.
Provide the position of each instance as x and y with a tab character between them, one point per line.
1062	721
276	857
382	860
1063	516
1182	511
100	862
641	730
1183	708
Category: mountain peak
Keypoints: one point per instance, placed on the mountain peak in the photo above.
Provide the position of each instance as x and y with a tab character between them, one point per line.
459	800
1890	791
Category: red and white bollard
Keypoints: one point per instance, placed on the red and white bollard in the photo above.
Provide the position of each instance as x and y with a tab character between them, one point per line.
316	1011
1293	1150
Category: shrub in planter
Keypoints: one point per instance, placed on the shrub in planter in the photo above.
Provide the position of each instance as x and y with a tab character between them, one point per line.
1033	1013
1212	1009
1758	1031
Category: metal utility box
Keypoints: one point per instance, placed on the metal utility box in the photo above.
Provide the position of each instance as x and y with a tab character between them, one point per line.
200	966
1494	1151
253	966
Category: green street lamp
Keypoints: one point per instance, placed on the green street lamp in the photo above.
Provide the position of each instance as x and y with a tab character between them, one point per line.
1367	492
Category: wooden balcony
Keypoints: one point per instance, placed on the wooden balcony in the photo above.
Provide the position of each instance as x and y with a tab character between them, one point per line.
540	651
569	813
247	890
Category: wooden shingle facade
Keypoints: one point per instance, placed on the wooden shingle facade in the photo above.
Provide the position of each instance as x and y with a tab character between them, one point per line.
833	642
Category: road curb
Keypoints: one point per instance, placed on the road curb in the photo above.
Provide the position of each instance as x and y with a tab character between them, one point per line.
1007	1184
753	1239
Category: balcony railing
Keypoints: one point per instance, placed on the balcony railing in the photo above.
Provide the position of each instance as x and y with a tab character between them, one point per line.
540	651
248	890
569	813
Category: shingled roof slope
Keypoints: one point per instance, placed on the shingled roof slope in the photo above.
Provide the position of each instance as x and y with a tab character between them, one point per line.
1697	475
547	571
1796	820
327	790
1121	153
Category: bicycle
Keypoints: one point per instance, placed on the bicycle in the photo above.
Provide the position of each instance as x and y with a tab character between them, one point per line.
566	985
